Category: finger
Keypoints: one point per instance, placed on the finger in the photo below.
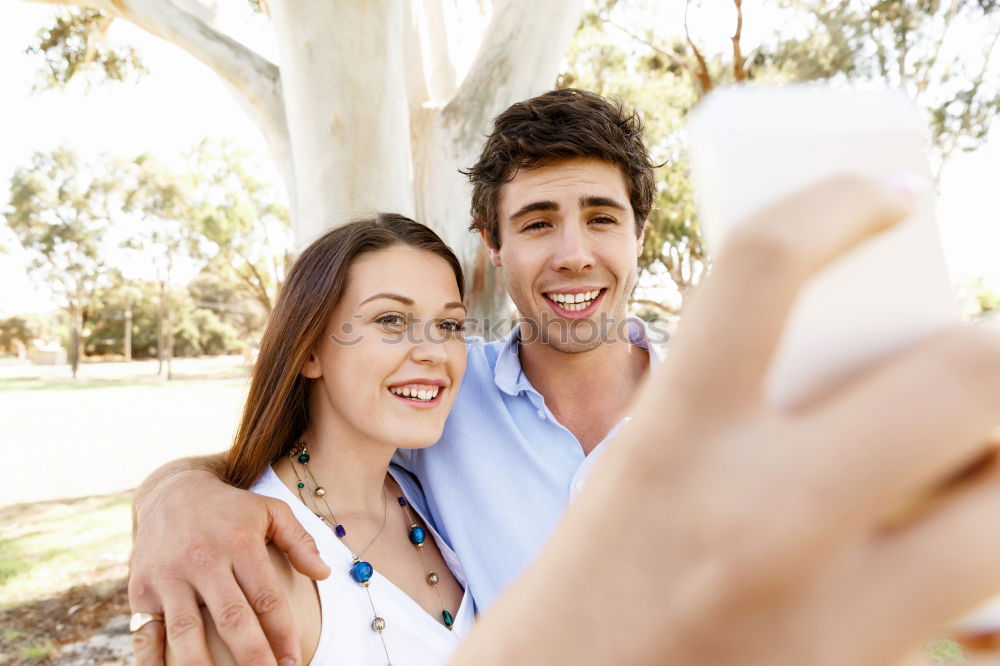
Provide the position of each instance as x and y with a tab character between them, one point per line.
185	632
944	564
285	532
734	322
264	591
935	406
235	621
148	645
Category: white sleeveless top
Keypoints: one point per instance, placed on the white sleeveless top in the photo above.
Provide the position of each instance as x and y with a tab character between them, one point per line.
412	636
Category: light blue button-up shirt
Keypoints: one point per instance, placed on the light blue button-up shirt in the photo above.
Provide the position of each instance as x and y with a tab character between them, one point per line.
504	470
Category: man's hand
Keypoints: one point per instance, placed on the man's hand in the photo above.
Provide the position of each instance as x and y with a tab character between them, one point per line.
200	542
718	530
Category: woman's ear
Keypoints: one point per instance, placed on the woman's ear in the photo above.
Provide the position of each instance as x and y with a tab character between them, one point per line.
311	369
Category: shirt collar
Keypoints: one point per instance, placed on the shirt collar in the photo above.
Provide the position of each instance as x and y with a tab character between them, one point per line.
511	379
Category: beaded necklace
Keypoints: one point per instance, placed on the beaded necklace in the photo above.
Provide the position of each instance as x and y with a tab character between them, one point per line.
361	571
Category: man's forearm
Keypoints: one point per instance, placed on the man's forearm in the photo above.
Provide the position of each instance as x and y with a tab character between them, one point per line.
214	464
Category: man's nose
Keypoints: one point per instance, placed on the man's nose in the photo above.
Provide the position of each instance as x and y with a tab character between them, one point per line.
573	253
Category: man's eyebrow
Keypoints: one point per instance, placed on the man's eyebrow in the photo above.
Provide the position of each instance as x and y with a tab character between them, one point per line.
600	202
534	206
395	297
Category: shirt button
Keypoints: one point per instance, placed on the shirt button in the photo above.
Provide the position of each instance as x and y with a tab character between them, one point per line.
541	414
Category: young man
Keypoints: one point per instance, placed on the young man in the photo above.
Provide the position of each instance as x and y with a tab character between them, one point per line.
561	193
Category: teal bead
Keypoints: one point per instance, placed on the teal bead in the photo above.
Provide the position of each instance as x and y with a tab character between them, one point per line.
448	619
417	535
361	572
301	485
303	458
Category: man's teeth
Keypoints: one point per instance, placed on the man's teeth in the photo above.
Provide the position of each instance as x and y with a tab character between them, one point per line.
416	392
574	302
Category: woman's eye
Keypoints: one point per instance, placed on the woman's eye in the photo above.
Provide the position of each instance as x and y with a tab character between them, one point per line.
391	320
452	326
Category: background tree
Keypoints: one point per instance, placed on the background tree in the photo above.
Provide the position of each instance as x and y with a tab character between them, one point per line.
243	218
166	234
942	52
16	333
60	210
366	110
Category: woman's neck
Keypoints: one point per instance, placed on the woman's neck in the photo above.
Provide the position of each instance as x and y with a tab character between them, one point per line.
351	472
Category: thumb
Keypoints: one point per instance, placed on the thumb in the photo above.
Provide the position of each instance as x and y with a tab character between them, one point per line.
285	532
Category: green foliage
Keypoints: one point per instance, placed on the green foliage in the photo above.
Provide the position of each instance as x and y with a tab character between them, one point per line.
904	44
619	49
77	44
237	212
17	332
60	210
987	299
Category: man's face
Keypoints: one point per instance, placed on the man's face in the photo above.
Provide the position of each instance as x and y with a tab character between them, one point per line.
568	251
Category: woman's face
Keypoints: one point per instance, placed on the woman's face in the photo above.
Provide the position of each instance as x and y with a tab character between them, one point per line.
390	362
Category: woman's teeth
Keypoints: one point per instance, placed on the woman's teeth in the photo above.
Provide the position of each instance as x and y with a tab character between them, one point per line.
574	302
416	392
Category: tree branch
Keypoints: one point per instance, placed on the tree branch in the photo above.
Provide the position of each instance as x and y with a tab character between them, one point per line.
948	17
739	72
254	80
518	58
702	74
670	55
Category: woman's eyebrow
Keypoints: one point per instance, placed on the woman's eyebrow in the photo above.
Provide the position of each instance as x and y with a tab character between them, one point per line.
395	297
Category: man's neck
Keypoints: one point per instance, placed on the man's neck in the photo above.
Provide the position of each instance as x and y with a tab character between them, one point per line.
588	392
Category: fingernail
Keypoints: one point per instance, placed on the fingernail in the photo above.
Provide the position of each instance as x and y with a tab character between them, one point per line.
907	183
287	661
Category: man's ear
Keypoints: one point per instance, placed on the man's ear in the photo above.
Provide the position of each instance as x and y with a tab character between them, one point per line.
642	239
311	369
494	252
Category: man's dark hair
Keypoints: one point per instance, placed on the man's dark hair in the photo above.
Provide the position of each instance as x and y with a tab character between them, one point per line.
556	126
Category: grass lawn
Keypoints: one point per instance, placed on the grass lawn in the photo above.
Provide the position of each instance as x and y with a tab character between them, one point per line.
72	449
105	431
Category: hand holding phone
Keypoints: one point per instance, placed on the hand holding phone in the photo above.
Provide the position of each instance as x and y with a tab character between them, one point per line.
751	146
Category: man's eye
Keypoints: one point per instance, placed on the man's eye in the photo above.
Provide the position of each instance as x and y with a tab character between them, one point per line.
391	320
537	224
604	219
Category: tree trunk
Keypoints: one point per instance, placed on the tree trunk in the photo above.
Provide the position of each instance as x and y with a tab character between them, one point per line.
169	346
75	336
128	333
343	82
160	318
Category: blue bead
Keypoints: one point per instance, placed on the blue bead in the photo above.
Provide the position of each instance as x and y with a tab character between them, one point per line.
340	531
401	500
361	572
417	535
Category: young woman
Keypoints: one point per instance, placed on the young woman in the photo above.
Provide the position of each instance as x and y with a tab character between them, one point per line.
363	354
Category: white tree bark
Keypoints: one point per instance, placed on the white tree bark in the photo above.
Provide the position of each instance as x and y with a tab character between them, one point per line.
519	58
345	98
364	114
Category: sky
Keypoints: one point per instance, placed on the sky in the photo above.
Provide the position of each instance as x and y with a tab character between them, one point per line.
180	102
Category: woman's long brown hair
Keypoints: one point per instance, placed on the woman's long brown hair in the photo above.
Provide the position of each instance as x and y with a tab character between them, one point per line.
277	408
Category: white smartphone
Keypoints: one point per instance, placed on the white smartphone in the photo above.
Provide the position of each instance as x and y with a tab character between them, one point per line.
753	145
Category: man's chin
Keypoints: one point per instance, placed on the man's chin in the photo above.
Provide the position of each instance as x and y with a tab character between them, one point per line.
573	337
